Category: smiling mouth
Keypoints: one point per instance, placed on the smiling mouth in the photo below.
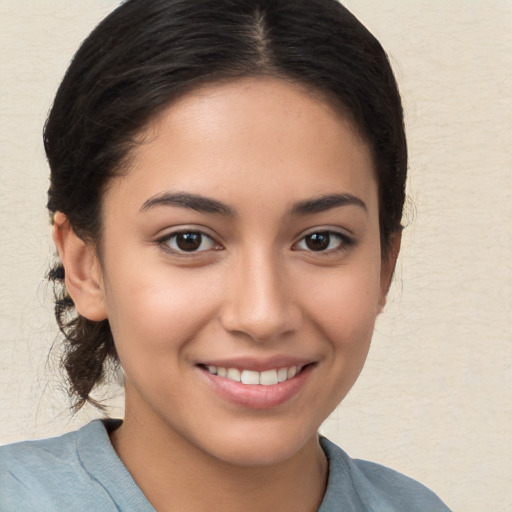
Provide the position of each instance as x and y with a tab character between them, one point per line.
251	377
245	385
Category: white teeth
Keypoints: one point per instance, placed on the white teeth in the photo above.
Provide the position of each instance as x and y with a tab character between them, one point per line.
250	377
266	378
282	374
234	374
292	372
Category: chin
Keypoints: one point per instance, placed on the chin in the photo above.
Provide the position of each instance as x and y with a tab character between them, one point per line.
264	447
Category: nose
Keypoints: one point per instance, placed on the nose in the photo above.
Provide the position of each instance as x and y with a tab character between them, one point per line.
260	303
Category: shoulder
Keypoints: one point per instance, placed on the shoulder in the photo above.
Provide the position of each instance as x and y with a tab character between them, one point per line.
32	461
374	487
48	474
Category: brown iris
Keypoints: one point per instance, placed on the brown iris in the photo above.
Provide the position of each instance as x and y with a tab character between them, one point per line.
190	241
318	241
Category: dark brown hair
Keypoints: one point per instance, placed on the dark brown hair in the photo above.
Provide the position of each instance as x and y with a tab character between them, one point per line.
148	52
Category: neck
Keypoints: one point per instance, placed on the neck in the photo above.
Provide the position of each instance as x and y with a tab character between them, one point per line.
175	475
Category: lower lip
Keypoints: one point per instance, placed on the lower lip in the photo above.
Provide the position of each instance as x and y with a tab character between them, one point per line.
257	396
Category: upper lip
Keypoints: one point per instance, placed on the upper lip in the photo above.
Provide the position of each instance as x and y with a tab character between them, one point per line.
258	364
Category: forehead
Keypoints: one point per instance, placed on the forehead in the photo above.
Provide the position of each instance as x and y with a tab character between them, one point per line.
246	134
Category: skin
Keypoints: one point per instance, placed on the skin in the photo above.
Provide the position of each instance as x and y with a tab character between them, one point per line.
253	290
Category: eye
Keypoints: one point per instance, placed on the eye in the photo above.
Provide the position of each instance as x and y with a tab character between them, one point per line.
323	241
189	242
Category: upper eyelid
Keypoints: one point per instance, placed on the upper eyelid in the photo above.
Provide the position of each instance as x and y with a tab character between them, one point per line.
342	232
171	231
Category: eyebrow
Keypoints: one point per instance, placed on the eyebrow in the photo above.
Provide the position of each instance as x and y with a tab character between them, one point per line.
327	202
187	200
207	205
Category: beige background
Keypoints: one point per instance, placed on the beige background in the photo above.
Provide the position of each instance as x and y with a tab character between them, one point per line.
435	398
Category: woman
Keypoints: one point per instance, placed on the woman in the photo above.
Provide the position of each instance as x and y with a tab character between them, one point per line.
227	186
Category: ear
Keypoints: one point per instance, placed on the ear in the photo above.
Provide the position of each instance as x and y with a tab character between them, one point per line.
388	268
82	271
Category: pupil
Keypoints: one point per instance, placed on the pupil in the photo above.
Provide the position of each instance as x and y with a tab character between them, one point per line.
188	241
318	241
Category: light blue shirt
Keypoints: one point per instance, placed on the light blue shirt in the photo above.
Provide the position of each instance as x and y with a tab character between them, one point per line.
81	472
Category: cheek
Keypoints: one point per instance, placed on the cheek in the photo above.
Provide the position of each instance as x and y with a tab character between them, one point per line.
151	315
345	306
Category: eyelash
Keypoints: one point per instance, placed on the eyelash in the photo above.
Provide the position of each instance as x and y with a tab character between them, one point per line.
170	242
343	241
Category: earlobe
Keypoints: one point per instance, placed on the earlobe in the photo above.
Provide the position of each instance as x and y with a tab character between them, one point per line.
83	277
388	268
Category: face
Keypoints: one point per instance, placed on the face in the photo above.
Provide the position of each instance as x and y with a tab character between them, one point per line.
241	268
